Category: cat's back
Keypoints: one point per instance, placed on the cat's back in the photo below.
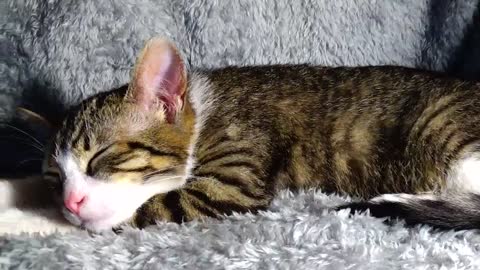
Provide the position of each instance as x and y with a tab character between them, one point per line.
325	89
282	80
331	123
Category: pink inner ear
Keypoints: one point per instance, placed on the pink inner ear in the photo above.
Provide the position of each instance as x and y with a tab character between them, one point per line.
160	77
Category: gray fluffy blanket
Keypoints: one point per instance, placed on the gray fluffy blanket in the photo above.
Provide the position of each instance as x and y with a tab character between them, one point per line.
297	233
55	53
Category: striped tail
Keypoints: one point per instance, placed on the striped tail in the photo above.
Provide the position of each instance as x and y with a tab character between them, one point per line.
444	212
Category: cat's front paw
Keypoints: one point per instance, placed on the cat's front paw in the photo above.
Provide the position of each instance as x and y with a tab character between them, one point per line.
140	222
149	213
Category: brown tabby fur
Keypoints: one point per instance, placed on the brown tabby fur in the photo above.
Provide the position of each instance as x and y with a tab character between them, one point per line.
359	131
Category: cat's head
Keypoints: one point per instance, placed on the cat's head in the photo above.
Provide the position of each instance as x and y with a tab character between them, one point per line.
117	149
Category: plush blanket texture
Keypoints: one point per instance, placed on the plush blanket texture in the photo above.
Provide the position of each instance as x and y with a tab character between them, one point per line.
55	53
296	233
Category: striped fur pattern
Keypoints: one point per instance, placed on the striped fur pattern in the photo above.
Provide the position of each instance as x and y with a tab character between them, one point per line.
242	133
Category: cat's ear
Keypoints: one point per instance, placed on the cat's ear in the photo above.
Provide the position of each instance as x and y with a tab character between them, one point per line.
33	123
159	78
33	119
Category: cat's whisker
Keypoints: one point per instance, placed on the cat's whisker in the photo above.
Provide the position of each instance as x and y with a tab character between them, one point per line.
29	143
19	139
163	179
162	170
146	177
24	133
26	161
41	150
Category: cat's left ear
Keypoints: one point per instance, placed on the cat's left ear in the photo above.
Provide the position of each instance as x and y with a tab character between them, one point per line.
160	78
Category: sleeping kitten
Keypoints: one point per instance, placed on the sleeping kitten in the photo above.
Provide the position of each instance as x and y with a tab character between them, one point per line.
177	146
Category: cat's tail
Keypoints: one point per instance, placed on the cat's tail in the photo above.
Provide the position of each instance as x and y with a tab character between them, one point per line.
459	211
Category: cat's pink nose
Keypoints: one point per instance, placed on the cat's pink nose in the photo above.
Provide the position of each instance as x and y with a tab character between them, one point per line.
74	201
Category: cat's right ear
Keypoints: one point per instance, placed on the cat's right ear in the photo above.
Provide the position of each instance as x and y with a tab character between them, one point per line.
24	139
33	120
159	79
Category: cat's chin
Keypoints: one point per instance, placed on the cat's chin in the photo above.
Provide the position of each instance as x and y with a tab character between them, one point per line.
75	220
97	225
108	204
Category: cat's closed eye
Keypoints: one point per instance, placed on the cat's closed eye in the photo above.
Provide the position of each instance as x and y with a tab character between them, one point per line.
127	162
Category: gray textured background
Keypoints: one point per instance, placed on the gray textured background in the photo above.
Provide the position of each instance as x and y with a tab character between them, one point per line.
54	53
60	52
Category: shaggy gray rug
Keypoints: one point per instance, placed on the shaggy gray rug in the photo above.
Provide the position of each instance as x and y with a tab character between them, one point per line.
55	53
297	233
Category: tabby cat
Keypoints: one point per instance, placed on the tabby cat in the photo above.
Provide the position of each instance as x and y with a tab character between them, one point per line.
177	146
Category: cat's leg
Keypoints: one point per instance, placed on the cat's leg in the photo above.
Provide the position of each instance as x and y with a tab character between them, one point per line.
464	175
443	146
7	190
29	192
456	206
202	197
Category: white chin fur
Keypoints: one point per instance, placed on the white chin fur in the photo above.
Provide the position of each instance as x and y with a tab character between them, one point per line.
109	204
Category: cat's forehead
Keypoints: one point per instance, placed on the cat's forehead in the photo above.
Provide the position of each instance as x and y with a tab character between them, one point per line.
103	120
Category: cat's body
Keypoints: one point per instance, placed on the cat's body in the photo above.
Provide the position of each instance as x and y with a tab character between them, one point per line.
228	139
358	131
